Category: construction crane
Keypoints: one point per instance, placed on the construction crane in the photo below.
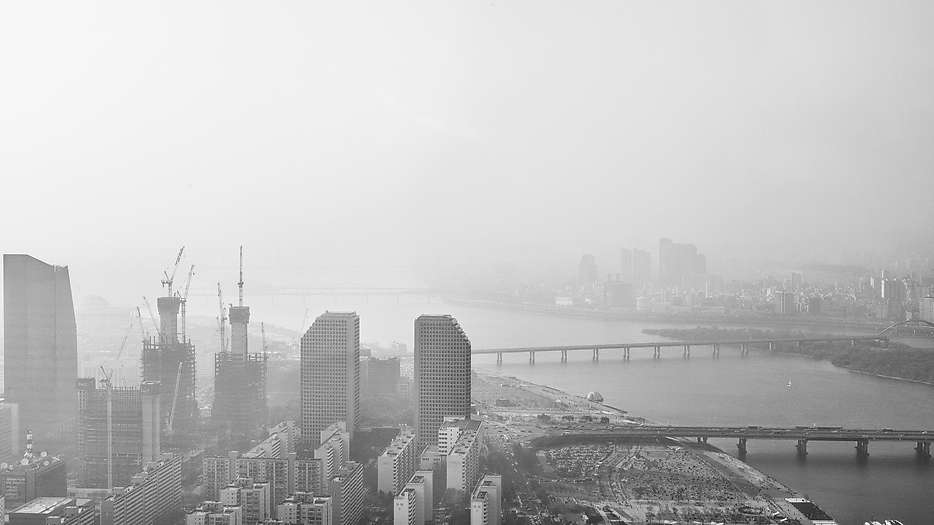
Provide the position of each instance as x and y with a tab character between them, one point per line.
169	279
108	392
123	343
142	329
222	318
153	317
169	421
184	300
240	284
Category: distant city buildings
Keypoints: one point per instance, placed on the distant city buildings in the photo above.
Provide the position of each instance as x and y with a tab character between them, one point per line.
330	374
382	376
40	349
587	273
442	374
9	431
680	266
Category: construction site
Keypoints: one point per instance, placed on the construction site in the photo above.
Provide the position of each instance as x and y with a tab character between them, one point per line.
118	432
169	358
240	409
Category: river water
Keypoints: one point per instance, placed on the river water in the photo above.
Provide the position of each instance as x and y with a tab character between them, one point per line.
702	390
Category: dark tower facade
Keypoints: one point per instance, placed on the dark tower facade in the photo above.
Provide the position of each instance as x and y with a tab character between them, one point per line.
40	349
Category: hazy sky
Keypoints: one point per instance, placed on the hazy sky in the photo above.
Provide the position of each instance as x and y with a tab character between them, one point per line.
384	133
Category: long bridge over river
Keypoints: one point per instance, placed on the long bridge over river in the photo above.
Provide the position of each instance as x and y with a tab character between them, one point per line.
686	346
801	435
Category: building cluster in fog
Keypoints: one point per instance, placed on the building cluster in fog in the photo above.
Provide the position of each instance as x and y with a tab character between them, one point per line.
132	447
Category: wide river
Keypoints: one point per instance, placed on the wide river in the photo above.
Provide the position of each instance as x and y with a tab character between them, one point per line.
730	390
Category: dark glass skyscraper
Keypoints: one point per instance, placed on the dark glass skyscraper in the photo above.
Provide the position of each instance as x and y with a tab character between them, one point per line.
40	349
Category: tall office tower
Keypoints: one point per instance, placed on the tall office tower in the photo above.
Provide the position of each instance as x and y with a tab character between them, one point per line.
40	349
9	432
155	494
118	432
240	408
442	375
625	265
330	375
587	271
382	376
641	267
171	362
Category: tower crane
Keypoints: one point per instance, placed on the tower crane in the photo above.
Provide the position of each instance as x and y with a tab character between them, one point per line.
223	318
169	421
169	279
142	329
123	343
184	300
240	283
153	317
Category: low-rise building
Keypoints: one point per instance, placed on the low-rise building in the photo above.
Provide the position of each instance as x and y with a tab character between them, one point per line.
215	513
54	511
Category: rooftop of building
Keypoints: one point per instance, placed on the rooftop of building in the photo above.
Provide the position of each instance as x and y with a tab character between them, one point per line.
44	505
463	424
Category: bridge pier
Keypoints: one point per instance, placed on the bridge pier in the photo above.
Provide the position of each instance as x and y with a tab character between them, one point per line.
771	346
531	358
741	446
658	352
802	447
596	354
744	349
716	350
564	356
862	448
924	449
626	353
499	358
687	350
701	439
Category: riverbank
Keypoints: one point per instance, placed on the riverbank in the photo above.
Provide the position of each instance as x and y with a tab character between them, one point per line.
639	482
891	360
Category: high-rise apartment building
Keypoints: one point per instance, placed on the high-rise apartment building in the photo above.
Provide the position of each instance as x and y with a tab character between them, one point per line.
151	498
397	462
330	374
40	348
118	432
486	501
442	374
253	498
679	265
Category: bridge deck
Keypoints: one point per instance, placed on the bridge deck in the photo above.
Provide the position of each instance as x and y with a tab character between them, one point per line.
654	344
796	433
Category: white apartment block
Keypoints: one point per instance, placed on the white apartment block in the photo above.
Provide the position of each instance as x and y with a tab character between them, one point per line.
486	501
404	510
346	490
303	508
397	463
214	513
422	483
463	460
253	498
442	374
330	374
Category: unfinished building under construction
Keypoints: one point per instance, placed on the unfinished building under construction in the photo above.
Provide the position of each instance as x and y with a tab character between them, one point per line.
171	362
240	410
118	432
